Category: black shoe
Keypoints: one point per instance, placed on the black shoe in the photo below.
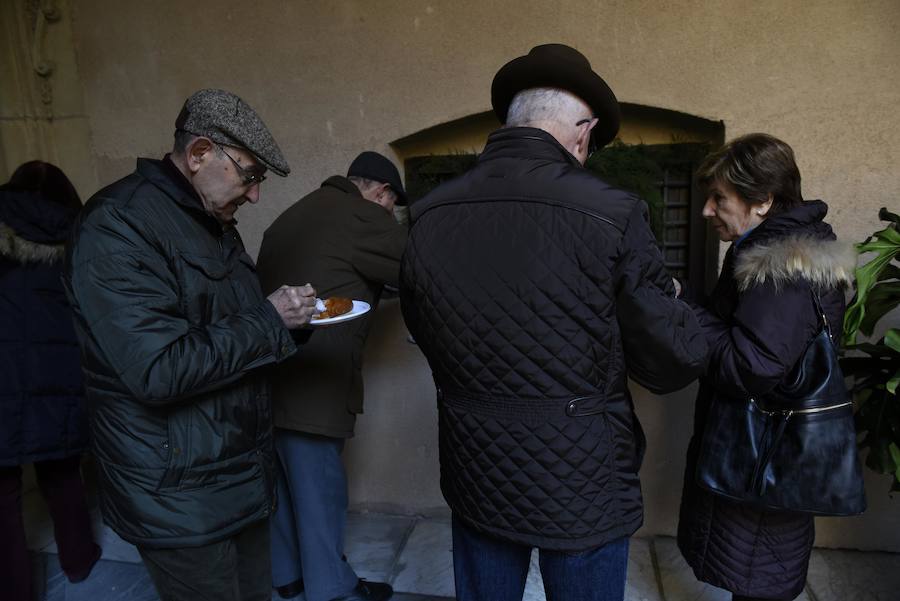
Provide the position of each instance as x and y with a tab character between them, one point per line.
291	590
368	591
82	575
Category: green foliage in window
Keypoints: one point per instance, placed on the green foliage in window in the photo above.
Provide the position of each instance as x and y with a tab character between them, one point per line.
424	174
636	169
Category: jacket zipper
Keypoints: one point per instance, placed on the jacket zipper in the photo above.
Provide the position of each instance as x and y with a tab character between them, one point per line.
800	411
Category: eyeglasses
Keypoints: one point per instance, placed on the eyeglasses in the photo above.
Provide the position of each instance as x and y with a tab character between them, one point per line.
592	143
252	176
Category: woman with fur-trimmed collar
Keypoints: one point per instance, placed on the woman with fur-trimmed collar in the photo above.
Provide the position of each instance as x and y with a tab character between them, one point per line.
42	415
759	320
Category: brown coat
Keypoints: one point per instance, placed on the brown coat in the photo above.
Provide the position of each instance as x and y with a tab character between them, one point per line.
344	245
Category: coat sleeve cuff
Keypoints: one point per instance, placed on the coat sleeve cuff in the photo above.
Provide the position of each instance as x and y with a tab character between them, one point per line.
283	345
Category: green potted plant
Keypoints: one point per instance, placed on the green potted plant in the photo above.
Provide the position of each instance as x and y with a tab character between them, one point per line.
874	366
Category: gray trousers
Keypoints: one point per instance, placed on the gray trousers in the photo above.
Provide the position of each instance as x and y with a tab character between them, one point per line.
311	517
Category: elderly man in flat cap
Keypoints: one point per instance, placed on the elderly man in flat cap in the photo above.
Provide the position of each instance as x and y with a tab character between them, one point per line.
344	239
173	328
534	288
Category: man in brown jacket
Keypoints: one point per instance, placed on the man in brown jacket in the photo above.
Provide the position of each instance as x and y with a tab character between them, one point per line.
343	238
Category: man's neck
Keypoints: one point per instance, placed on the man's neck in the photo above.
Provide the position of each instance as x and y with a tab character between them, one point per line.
558	131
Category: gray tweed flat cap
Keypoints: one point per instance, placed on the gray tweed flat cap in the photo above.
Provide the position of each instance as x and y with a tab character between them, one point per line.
224	118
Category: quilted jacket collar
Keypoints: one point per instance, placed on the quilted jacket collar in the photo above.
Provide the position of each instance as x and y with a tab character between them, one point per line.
525	142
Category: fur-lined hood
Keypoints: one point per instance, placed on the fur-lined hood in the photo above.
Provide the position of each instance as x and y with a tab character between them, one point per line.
20	250
823	263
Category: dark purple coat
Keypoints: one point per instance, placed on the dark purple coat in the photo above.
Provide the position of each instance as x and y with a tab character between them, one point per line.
759	321
41	392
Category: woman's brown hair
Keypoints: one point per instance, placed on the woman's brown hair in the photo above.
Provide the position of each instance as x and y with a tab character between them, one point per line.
756	165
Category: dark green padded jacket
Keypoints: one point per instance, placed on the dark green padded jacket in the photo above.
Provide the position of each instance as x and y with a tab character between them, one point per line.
173	327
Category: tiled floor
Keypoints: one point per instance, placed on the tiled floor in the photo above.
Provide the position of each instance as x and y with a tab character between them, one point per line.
414	555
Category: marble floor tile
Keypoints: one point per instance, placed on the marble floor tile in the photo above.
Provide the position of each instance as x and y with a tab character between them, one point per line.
109	581
678	581
534	586
373	543
425	565
415	555
395	597
641	584
854	576
114	548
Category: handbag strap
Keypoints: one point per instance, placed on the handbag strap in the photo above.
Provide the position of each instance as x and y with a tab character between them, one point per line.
758	483
821	312
774	433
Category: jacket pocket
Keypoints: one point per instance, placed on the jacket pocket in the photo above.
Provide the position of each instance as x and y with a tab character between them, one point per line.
211	268
204	287
586	405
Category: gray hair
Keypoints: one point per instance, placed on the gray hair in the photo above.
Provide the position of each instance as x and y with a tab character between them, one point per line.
365	184
182	141
542	105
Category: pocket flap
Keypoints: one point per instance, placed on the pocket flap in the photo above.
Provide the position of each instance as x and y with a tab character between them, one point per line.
212	268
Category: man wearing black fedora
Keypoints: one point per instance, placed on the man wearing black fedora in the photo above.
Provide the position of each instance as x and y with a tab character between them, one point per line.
535	289
342	237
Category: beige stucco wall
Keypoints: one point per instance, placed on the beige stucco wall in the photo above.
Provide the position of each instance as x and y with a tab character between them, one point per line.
333	78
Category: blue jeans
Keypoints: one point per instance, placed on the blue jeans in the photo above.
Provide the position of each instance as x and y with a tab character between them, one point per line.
490	569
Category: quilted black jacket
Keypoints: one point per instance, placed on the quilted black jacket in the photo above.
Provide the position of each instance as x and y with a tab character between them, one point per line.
173	326
534	288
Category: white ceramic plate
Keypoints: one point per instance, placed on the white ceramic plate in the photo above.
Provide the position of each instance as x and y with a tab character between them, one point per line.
359	309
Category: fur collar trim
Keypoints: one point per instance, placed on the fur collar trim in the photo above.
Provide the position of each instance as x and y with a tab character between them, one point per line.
823	263
21	250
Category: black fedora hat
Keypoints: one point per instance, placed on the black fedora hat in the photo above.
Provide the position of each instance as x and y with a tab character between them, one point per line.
558	66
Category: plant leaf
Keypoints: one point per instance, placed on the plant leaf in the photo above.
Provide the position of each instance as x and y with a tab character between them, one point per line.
883	298
895	455
891	272
886	245
886	215
892	339
891	386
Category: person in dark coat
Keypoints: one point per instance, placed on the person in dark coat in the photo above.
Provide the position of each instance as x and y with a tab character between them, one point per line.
173	328
534	289
759	320
343	238
42	415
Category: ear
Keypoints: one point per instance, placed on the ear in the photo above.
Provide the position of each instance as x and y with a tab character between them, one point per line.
763	208
197	152
583	141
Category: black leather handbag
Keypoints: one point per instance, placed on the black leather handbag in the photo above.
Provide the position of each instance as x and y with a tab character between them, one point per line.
795	448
